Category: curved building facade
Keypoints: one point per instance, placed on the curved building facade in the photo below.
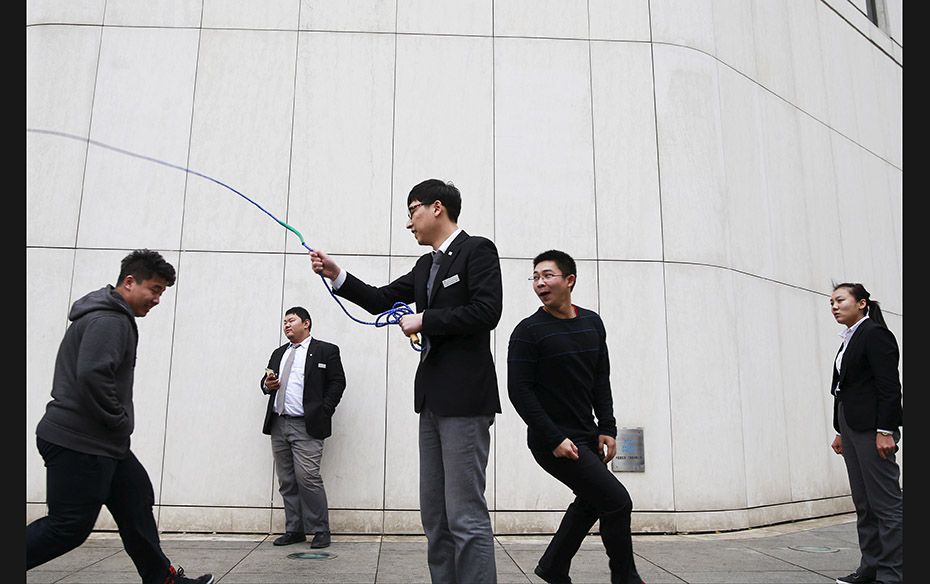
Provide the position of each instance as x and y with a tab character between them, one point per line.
713	166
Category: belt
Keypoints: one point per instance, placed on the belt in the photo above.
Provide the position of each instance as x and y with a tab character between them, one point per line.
290	417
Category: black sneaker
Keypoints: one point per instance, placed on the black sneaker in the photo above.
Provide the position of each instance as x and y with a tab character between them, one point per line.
176	576
856	577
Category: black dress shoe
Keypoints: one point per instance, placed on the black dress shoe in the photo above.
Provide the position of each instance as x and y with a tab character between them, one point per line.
551	578
320	540
290	537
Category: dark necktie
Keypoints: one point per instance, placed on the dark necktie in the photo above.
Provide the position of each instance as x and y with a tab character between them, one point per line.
437	255
285	371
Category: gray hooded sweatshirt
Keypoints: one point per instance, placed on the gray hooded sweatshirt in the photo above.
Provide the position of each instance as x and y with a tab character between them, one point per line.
91	408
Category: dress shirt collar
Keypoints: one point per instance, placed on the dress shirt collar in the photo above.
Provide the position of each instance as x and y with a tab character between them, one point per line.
850	331
304	343
445	244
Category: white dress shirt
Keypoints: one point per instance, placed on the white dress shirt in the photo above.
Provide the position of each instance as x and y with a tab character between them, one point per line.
846	335
294	392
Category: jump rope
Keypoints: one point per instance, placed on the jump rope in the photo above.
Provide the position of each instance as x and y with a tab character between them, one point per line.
388	317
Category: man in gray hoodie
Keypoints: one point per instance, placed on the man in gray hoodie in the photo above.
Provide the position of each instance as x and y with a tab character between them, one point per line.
84	435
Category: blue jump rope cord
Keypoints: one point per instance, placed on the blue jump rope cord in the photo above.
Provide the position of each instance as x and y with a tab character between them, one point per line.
391	316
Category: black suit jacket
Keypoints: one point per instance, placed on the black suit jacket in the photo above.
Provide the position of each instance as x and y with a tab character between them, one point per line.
457	378
324	382
870	388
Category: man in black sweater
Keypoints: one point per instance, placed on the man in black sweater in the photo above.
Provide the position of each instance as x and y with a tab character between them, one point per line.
84	435
558	379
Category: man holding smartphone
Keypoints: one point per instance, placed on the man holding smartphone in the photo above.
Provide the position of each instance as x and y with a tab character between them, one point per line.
304	382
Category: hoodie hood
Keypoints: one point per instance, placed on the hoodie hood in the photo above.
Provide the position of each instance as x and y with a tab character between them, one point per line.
106	298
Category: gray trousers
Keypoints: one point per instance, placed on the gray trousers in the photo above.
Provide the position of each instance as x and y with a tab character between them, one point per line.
876	493
297	457
454	512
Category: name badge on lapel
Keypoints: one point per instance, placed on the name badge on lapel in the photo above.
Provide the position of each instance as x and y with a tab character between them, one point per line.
450	280
321	365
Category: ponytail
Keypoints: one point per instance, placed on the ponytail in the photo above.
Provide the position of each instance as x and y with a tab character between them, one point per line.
874	311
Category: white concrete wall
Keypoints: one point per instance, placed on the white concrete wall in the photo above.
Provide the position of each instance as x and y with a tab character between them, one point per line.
712	165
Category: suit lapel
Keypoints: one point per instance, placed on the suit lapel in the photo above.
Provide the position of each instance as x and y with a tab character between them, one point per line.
313	357
445	263
836	374
851	350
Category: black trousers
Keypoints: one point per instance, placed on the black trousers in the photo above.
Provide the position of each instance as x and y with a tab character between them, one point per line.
598	495
77	486
876	493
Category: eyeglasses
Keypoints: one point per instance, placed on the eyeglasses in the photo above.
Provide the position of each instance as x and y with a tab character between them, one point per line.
544	277
412	208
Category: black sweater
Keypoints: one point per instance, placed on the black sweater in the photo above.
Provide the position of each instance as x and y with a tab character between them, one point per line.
558	371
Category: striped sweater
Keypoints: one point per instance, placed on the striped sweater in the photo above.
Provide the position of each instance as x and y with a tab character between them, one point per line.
558	378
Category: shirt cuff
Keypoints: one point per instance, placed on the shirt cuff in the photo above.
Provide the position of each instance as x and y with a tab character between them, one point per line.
340	280
881	430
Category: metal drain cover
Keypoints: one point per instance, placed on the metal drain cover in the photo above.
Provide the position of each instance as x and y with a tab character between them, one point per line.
814	549
312	556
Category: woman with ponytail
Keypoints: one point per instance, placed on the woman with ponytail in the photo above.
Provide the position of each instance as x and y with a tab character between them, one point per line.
867	416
